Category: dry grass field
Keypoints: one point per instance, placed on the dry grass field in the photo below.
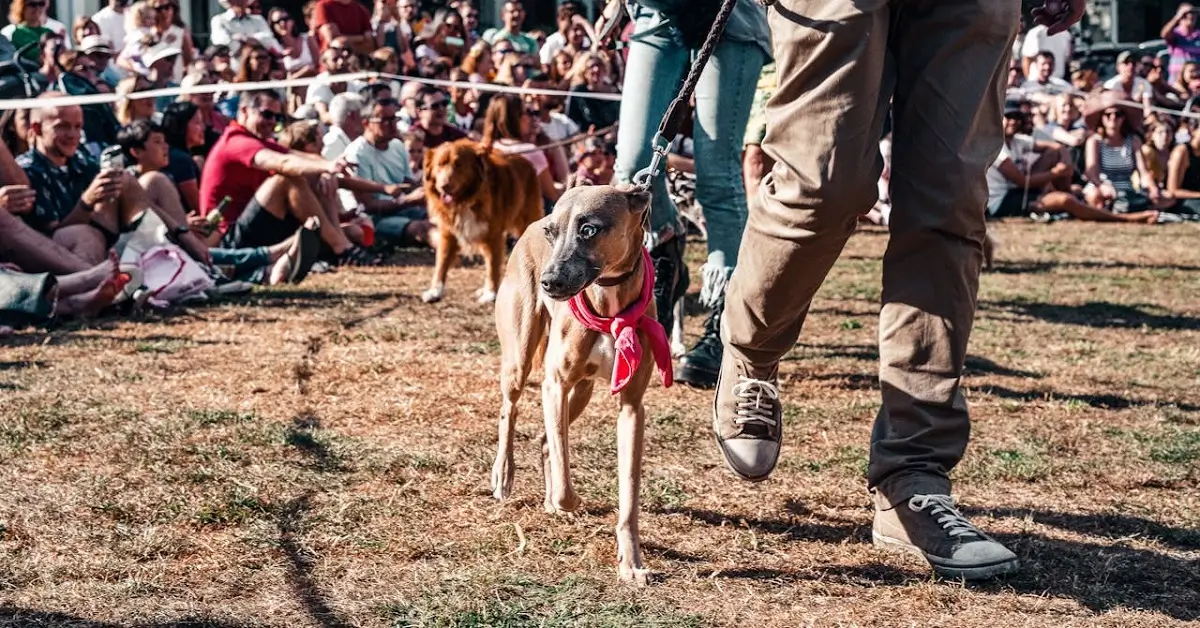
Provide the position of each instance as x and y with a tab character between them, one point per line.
319	456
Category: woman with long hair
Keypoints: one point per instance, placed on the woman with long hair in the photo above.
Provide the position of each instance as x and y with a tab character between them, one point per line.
28	22
214	121
130	109
508	127
171	31
590	75
445	36
184	131
300	52
254	64
559	69
1113	155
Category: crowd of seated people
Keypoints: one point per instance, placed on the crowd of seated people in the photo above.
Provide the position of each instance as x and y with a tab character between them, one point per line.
264	186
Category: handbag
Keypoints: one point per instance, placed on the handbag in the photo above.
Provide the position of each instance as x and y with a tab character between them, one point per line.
172	276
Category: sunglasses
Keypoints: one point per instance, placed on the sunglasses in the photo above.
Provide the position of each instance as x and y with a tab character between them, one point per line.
341	50
441	104
533	112
1114	114
282	20
506	51
270	116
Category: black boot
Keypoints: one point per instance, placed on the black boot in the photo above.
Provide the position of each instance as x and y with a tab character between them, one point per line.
699	367
670	279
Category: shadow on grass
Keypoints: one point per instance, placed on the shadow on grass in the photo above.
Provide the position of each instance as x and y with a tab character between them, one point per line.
1033	267
301	563
1096	314
13	616
1099	576
1103	577
1104	401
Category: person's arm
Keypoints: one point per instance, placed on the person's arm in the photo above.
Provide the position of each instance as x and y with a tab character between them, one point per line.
550	189
1036	181
189	193
294	164
188	49
1091	160
1168	29
1176	169
1148	184
10	172
1041	146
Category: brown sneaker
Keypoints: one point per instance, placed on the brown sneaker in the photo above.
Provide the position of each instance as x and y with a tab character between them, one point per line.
931	527
748	418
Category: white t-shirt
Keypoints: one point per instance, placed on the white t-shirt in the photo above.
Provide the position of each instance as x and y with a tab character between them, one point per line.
389	166
321	92
1053	86
1036	40
334	143
112	27
560	127
555	42
1141	87
1020	151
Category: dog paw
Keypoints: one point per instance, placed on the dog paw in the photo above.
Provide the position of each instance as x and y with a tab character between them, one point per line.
566	504
636	576
483	295
433	295
502	481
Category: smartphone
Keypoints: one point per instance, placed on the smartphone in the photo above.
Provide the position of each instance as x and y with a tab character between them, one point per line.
454	41
112	158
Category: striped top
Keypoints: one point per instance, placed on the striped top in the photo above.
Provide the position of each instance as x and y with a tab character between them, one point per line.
1117	164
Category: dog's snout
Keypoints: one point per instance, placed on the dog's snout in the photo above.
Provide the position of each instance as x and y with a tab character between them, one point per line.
552	285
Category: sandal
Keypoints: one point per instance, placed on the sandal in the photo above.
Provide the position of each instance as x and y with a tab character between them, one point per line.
357	256
307	250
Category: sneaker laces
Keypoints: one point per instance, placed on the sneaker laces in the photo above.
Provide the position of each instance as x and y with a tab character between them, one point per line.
942	507
751	407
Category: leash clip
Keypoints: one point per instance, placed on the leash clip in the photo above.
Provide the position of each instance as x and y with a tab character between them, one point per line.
645	177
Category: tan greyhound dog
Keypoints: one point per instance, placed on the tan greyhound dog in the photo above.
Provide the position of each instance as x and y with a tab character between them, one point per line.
577	292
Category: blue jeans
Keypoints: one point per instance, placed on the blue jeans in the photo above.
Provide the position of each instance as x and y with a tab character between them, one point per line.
658	61
248	264
389	229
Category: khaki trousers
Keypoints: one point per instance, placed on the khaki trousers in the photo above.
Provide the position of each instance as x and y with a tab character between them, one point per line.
941	64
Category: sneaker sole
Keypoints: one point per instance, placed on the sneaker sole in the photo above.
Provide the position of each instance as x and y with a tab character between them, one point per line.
725	459
950	572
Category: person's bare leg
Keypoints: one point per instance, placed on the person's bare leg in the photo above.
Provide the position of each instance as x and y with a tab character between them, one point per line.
84	241
282	195
33	251
1062	202
89	279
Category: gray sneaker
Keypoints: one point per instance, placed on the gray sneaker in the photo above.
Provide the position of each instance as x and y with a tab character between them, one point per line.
748	418
931	527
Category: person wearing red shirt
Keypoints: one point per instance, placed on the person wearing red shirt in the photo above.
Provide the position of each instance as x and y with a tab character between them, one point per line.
269	189
348	19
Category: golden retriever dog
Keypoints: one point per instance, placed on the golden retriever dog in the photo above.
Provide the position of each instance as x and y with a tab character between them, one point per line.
477	197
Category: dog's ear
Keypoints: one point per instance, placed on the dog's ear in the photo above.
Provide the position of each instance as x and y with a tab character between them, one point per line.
638	198
483	154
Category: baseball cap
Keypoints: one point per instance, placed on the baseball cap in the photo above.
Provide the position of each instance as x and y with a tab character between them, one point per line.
95	43
158	54
1124	57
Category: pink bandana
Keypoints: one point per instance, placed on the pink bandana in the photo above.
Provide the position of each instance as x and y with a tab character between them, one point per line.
624	329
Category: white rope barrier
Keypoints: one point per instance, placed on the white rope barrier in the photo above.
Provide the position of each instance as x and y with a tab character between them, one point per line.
492	87
225	88
1055	91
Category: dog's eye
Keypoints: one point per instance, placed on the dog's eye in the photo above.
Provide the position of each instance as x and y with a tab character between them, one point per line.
549	231
587	232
